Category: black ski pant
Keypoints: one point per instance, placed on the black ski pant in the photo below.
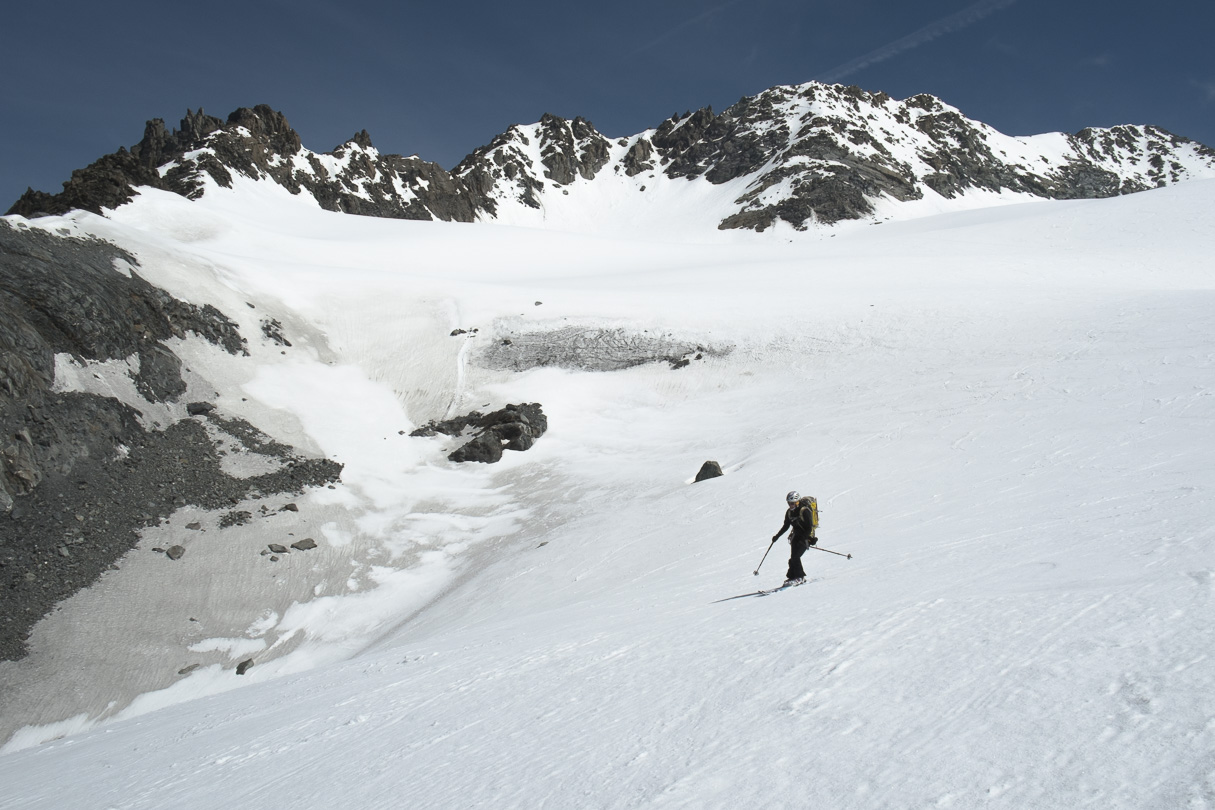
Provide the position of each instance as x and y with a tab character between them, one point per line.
797	547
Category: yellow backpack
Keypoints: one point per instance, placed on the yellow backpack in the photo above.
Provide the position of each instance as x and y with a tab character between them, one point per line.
812	502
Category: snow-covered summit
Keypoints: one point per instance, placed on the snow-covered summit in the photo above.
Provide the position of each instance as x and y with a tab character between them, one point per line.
801	155
826	153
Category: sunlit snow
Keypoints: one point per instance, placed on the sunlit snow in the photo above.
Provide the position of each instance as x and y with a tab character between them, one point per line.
1006	414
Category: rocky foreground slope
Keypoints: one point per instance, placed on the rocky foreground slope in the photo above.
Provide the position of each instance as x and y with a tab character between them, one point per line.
800	155
80	473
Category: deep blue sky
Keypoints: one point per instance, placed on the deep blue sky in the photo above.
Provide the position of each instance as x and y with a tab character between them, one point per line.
436	79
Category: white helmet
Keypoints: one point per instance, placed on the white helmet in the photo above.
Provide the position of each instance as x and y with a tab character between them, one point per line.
793	497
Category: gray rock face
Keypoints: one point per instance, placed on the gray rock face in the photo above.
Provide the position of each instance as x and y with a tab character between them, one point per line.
505	169
79	475
65	295
710	469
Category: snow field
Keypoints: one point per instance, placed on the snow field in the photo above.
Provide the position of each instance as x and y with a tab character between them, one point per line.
1005	416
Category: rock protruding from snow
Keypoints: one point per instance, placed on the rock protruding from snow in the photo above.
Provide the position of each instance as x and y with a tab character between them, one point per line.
516	164
514	427
710	469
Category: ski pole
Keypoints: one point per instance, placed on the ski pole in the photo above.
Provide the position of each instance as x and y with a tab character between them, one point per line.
761	561
829	551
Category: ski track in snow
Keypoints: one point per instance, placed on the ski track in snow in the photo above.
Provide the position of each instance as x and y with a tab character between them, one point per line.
1006	417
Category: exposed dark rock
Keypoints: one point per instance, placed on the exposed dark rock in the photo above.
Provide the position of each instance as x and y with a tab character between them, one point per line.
710	469
498	169
514	427
277	548
273	330
571	149
244	666
304	545
485	448
175	552
159	378
199	408
79	475
681	142
237	517
639	158
251	437
66	295
127	491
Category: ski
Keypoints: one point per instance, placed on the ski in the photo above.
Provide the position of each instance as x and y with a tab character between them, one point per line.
767	592
779	588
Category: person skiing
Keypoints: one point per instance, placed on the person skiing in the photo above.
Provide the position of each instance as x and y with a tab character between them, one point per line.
800	518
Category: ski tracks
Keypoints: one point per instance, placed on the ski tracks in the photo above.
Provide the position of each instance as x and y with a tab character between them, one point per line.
1046	680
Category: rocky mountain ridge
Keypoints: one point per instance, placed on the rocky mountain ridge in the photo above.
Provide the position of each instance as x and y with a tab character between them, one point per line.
800	155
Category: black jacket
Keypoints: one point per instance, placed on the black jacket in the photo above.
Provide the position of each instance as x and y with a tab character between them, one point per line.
798	518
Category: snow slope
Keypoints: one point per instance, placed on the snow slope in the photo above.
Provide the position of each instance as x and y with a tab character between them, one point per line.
1006	415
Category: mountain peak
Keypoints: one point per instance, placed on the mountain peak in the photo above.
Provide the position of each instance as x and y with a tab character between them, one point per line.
361	139
796	154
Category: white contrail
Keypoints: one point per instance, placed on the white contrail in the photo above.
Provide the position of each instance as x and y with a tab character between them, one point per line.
946	25
683	25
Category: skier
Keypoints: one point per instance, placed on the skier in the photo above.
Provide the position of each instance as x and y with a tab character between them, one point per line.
800	518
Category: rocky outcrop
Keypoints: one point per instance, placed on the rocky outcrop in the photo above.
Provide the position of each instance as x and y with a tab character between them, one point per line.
508	167
79	474
514	427
818	153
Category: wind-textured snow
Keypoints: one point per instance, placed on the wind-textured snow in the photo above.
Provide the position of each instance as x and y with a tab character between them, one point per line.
1006	415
